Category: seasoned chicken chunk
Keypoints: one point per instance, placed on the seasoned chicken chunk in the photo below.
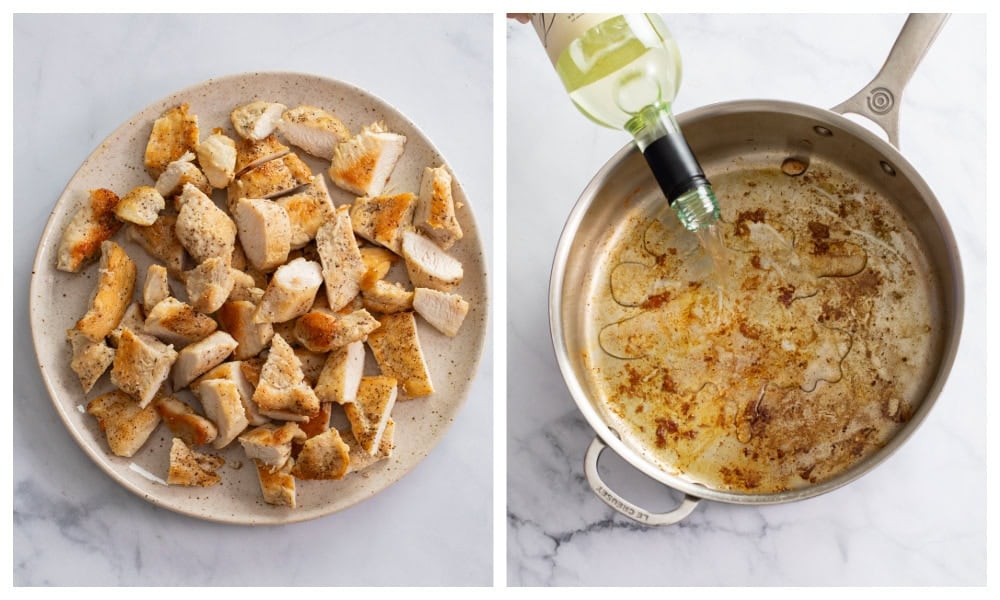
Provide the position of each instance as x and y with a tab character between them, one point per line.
160	241
378	261
221	400
343	267
265	232
312	364
141	365
256	120
290	292
322	331
111	296
208	285
245	288
383	219
444	311
180	173
235	371
270	179
270	445
314	130
428	265
203	228
174	133
325	456
360	459
397	351
142	206
315	425
177	323
92	224
435	213
369	414
126	425
364	163
191	468
90	359
277	486
250	153
156	286
282	392
133	319
341	375
217	157
199	357
184	422
307	210
387	297
236	318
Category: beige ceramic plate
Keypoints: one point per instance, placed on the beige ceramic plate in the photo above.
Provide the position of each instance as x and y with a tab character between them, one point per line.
58	299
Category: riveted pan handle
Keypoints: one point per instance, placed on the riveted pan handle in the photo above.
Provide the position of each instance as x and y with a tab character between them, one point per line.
624	506
879	100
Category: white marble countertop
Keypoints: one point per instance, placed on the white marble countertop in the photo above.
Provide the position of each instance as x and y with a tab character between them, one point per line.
76	79
917	519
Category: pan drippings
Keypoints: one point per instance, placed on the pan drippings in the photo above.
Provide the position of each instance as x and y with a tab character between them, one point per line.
805	358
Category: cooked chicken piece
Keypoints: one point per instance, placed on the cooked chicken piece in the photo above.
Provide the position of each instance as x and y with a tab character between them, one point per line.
177	323
322	331
287	331
385	297
174	133
191	468
156	286
270	445
363	163
265	232
197	358
341	375
312	364
435	213
235	371
325	456
221	400
314	130
179	173
141	365
111	296
383	219
270	179
184	422
126	425
370	412
282	392
277	487
250	153
244	288
315	425
141	206
428	265
397	351
290	292
442	310
378	261
92	224
307	211
341	259
133	319
252	367
209	284
160	241
360	459
217	157
236	318
257	120
203	228
90	359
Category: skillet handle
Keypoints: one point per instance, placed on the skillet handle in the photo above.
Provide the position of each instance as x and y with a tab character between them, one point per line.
624	506
880	99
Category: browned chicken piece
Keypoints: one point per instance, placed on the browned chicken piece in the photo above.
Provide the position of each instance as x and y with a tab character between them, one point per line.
267	180
190	468
290	292
250	153
282	392
156	286
236	371
435	213
271	445
383	219
312	364
179	173
251	369
378	261
160	241
343	267
92	224
287	331
133	319
428	265
142	206
322	331
370	413
111	296
265	232
203	228
236	318
307	210
341	375
397	351
209	284
256	120
217	157
277	487
174	133
126	425
221	400
199	357
184	422
245	288
325	456
315	425
314	130
90	359
387	297
178	323
444	311
360	459
141	365
364	163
